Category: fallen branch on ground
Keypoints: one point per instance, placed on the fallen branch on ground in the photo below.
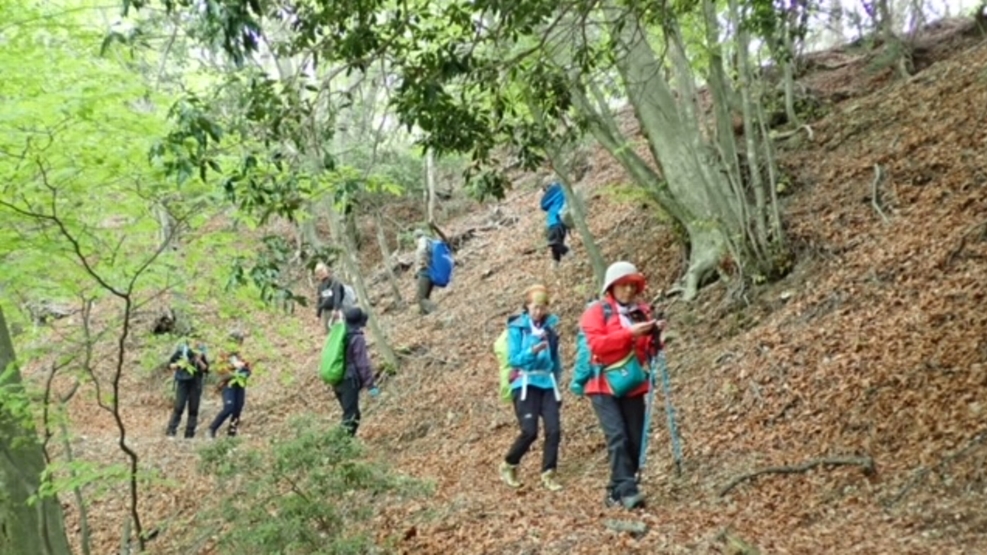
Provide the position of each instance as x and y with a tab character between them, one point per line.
982	226
874	198
782	135
924	471
866	462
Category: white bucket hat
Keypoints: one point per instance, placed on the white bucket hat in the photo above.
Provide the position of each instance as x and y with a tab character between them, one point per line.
621	270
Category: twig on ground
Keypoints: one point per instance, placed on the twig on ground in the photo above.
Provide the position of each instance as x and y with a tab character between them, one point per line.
866	462
966	234
924	471
874	198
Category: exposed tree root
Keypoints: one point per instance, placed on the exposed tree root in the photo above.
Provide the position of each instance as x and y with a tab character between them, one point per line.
866	462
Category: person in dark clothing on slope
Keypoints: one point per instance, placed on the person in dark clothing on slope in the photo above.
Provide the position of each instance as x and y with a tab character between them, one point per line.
329	302
190	366
359	375
233	386
553	201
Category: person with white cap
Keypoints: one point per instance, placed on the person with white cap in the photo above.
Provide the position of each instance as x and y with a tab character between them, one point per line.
533	353
620	333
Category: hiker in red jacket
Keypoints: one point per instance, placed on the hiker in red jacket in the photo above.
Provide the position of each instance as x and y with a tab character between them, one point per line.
621	336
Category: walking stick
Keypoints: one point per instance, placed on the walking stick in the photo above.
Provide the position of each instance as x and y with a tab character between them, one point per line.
650	403
673	429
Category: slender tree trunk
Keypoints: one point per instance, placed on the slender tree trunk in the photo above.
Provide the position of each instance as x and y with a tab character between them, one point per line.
430	181
385	255
353	268
77	492
574	201
750	134
39	528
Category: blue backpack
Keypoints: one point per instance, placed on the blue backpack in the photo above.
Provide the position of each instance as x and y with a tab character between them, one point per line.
440	266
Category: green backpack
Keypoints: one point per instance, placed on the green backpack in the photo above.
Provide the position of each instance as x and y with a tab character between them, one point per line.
332	369
500	349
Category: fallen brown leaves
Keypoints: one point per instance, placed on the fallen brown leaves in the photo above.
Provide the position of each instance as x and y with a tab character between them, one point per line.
875	346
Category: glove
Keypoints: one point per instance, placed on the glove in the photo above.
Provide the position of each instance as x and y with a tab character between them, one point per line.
374	392
577	389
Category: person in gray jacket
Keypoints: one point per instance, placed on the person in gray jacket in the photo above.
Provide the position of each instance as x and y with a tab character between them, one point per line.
359	374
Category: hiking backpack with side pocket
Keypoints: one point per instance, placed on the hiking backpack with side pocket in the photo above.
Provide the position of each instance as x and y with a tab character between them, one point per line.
332	366
504	365
440	264
349	297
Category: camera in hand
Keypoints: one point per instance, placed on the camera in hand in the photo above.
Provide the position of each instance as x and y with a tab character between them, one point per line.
637	315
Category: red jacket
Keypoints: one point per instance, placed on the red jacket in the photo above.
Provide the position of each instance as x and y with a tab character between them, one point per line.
610	342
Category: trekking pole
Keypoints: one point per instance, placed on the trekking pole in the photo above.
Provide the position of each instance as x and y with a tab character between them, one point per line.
646	433
673	429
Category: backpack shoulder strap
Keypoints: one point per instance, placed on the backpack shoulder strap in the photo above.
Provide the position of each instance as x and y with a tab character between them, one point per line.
607	311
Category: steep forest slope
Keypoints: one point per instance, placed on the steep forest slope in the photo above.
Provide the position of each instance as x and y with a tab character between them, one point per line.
873	348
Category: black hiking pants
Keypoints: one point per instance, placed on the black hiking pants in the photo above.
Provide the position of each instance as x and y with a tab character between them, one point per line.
622	420
234	397
537	403
187	392
556	241
348	394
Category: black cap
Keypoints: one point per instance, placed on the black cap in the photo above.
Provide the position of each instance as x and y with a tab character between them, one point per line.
355	317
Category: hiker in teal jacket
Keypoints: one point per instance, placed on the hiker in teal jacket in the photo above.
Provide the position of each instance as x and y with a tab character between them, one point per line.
533	352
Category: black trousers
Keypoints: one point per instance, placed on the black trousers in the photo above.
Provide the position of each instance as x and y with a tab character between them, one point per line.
348	394
556	241
537	403
187	392
622	420
234	398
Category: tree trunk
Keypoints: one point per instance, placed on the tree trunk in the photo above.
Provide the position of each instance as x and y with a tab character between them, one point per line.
349	252
37	529
701	190
385	255
430	181
574	201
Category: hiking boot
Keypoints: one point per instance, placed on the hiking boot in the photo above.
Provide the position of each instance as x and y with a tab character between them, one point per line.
508	473
548	480
611	500
632	501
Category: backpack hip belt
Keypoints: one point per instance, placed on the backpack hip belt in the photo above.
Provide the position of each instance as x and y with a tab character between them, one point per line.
551	376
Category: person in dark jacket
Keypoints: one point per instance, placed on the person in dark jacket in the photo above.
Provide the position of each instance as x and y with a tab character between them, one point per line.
233	387
620	332
553	201
359	375
329	302
190	366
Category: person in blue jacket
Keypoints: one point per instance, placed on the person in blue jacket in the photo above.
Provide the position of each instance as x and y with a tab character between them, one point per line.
553	201
533	352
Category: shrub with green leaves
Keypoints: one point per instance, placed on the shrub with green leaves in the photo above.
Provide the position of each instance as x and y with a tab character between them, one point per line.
305	494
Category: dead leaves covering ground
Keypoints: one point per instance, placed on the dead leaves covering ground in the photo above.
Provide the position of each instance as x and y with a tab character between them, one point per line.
875	346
